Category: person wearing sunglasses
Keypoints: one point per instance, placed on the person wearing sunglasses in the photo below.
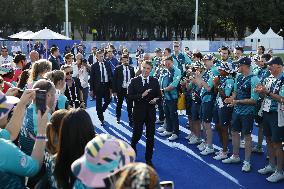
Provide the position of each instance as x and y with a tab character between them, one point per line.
73	90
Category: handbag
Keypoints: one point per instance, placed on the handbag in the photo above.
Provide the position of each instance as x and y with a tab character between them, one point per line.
181	102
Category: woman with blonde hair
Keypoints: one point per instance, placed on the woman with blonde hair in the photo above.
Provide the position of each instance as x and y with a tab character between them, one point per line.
38	71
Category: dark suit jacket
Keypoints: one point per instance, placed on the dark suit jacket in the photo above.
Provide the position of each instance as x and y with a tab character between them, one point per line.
118	78
95	76
141	105
91	59
54	62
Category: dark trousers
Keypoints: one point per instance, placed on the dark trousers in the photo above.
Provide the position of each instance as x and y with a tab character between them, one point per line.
102	93
149	121
85	92
170	108
121	95
161	109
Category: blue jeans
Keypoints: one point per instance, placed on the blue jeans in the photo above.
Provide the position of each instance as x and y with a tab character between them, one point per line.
170	108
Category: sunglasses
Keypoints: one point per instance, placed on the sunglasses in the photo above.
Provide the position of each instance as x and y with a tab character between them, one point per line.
69	73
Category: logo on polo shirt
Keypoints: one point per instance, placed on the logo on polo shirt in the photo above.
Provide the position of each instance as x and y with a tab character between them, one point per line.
24	161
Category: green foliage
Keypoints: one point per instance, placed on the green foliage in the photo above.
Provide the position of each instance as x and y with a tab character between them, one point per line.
132	19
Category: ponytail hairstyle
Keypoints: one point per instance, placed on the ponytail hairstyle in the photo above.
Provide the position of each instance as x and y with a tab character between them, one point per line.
55	76
38	68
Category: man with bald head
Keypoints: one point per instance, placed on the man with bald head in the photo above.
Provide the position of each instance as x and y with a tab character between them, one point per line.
34	56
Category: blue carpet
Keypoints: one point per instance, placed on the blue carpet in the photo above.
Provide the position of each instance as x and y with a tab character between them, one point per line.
182	163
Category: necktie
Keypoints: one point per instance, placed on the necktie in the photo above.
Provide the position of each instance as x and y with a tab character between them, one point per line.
145	84
103	74
126	74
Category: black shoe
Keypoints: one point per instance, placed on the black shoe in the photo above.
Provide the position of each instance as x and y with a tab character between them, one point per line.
131	124
103	123
118	121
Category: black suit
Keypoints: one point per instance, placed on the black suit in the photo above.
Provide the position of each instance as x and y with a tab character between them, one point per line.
144	112
117	87
55	63
91	59
101	89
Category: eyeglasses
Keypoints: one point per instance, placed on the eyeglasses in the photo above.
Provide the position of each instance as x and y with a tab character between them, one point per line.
69	73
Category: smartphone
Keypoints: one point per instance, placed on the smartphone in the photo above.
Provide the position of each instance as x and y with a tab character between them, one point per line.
41	100
167	185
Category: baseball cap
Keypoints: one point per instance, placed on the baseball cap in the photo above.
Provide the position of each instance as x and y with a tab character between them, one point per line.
275	60
158	50
208	57
244	60
227	67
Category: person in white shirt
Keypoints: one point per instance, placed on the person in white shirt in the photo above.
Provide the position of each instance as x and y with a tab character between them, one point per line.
69	61
83	73
5	58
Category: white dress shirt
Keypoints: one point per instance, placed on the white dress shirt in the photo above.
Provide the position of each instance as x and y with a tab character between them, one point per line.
103	71
126	83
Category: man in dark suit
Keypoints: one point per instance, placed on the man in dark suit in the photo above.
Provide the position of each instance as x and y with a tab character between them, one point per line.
92	57
101	84
144	90
121	79
53	58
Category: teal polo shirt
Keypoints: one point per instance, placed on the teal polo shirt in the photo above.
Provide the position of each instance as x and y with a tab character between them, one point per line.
13	160
170	77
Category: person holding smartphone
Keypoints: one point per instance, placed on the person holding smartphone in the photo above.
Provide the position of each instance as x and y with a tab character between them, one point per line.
144	90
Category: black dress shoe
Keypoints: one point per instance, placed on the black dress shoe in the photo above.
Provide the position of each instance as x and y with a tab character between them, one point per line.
131	124
103	123
118	121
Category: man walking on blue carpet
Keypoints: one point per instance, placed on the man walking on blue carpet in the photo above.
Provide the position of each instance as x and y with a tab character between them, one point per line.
144	90
121	79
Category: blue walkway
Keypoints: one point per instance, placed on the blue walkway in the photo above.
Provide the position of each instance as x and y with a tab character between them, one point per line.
182	163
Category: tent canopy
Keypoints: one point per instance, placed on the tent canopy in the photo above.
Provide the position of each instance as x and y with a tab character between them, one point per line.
256	35
13	36
46	34
21	35
271	34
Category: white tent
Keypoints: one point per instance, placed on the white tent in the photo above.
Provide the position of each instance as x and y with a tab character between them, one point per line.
256	39
275	41
45	34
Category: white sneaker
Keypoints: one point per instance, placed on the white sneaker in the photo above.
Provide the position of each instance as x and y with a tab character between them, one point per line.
161	129
267	169
165	133
207	151
173	137
193	140
242	144
221	155
231	159
246	166
201	146
275	177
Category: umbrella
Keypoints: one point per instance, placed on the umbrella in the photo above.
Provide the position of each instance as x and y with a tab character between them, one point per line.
22	35
13	36
46	34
